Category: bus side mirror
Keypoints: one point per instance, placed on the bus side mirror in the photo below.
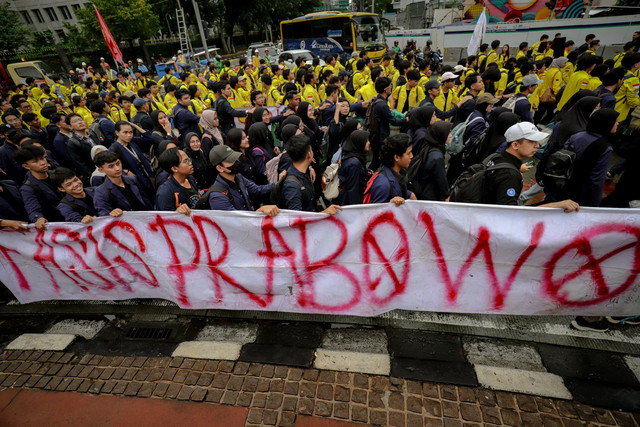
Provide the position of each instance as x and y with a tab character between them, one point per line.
386	24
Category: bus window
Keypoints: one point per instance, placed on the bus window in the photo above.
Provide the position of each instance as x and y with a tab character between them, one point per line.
368	31
29	71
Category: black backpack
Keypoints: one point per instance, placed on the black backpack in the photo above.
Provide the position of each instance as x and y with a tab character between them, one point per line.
203	201
276	194
414	171
470	185
349	86
471	153
370	123
558	170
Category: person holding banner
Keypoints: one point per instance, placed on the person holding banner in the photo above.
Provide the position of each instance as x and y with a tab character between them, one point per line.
388	185
179	192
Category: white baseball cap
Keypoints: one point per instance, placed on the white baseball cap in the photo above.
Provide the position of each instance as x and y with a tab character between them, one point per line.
524	130
459	68
448	76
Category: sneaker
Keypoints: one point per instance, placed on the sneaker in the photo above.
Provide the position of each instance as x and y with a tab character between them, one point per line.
581	324
625	320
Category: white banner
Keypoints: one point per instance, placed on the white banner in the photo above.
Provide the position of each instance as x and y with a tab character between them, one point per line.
478	33
364	261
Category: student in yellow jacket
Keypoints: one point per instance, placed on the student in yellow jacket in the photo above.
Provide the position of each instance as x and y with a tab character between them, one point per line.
580	78
522	50
628	48
360	78
627	97
492	56
310	94
409	94
274	97
447	99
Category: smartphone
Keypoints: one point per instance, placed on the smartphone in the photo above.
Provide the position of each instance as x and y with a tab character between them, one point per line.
530	163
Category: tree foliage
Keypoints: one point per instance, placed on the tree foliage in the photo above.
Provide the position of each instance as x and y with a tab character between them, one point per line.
14	33
126	19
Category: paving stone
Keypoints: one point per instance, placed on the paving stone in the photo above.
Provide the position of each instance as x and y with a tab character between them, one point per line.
614	396
276	386
359	413
587	364
412	344
51	385
146	390
277	355
370	341
432	407
185	393
490	415
214	396
323	409
510	417
434	371
208	350
87	329
305	406
173	390
160	389
244	399
377	417
397	419
496	353
52	342
96	387
518	381
132	389
229	397
289	403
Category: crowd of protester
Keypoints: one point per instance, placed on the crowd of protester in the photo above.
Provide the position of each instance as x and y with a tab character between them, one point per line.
106	142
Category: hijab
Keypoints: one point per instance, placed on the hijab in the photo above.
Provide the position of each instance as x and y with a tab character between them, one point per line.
576	119
495	132
437	134
288	131
259	137
156	122
256	116
421	117
355	146
291	119
206	121
162	147
572	101
302	112
601	122
349	126
559	62
493	115
187	146
94	150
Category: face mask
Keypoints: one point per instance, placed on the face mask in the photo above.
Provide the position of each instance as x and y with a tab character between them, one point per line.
236	168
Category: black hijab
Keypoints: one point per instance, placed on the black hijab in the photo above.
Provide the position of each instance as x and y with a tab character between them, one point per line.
495	132
602	121
156	122
493	115
572	101
355	146
291	119
421	117
187	147
349	126
288	131
302	112
259	137
256	116
577	118
437	134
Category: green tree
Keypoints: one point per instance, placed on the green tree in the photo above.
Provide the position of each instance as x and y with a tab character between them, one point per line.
127	20
13	32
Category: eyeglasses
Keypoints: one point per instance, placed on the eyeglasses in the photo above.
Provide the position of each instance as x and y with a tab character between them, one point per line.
187	161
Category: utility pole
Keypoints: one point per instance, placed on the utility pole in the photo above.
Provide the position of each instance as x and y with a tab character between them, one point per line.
203	36
373	4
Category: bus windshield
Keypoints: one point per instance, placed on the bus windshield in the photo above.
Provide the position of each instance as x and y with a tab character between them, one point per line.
368	31
45	68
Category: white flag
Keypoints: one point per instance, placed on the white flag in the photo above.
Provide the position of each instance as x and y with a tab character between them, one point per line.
478	34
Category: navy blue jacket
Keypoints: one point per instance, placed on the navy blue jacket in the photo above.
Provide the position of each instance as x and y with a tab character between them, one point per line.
386	186
296	197
608	97
13	170
226	113
465	110
523	108
442	115
329	112
79	149
185	121
105	204
11	204
74	209
384	119
588	191
476	123
140	166
353	180
166	195
241	199
62	152
434	177
41	136
40	200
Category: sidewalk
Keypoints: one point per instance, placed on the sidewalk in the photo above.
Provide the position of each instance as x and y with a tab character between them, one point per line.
63	388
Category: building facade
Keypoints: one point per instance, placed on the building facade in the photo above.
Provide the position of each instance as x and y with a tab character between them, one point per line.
43	15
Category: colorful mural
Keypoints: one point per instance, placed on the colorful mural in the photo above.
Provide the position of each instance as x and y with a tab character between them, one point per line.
524	10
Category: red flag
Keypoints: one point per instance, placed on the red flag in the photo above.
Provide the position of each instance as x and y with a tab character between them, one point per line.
111	42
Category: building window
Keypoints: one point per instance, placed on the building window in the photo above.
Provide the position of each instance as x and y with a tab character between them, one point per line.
75	6
64	10
61	35
51	13
26	17
38	15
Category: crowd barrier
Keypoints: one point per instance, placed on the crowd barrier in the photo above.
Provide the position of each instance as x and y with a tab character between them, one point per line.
366	260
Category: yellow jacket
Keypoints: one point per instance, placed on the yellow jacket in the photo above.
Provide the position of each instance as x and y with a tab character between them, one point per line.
123	116
274	97
360	79
445	104
310	94
579	80
567	71
627	96
343	93
416	95
85	113
594	82
367	92
170	101
492	57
